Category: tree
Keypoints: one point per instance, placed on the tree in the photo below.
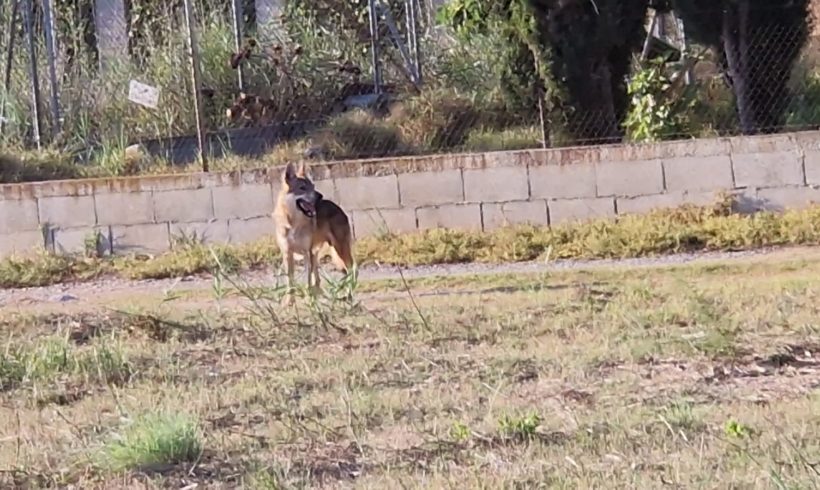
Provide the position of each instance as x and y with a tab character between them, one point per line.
591	43
510	21
758	42
580	51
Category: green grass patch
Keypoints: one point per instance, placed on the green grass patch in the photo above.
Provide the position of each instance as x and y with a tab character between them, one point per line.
152	442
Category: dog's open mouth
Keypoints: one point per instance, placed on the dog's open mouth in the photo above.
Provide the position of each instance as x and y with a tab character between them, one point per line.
306	207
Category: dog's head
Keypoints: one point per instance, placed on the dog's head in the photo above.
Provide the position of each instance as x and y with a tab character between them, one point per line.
297	185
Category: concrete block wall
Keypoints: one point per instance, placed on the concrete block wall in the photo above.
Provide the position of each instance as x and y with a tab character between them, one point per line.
468	191
136	215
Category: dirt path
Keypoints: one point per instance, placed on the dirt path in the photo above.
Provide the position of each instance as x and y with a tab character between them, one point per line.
114	290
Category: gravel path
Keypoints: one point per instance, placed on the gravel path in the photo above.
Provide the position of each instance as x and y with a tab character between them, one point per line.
88	291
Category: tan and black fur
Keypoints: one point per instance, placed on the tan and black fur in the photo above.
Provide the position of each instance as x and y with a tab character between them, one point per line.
306	222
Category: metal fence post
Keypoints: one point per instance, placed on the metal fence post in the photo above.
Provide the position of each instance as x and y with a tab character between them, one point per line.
9	57
193	54
374	45
412	15
28	16
238	28
51	50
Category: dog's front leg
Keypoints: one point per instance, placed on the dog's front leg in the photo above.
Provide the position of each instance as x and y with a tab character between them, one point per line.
314	264
289	264
308	268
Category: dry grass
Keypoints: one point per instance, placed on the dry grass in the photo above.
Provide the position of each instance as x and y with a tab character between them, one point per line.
685	376
431	122
353	135
686	229
36	167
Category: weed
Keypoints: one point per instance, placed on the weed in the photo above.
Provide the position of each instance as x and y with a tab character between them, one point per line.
187	241
44	268
153	441
357	135
93	245
737	430
483	140
460	432
680	415
265	479
520	428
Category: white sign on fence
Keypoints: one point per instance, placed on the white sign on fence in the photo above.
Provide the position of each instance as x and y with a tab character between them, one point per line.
142	94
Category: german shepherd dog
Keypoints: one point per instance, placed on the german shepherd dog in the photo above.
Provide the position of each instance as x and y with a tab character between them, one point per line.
305	222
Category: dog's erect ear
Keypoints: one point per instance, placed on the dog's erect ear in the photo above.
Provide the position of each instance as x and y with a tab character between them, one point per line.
289	174
302	172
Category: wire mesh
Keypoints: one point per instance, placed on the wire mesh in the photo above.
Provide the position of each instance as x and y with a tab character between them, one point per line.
308	86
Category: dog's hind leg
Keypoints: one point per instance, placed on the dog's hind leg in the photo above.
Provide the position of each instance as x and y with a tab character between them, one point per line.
342	252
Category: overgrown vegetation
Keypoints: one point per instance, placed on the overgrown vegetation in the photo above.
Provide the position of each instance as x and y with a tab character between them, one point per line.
661	108
686	229
485	72
772	32
35	167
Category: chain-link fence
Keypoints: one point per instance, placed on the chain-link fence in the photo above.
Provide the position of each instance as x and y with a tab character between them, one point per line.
334	79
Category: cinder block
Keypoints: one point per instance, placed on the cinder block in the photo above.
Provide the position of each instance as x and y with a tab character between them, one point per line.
79	240
328	189
565	181
128	208
214	231
763	143
578	210
455	216
250	230
381	221
698	173
701	147
149	238
368	192
783	198
496	184
184	206
22	243
807	140
645	204
18	216
242	201
430	188
812	162
496	215
775	169
635	178
67	211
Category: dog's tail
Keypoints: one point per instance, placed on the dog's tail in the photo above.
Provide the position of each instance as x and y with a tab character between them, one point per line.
341	243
